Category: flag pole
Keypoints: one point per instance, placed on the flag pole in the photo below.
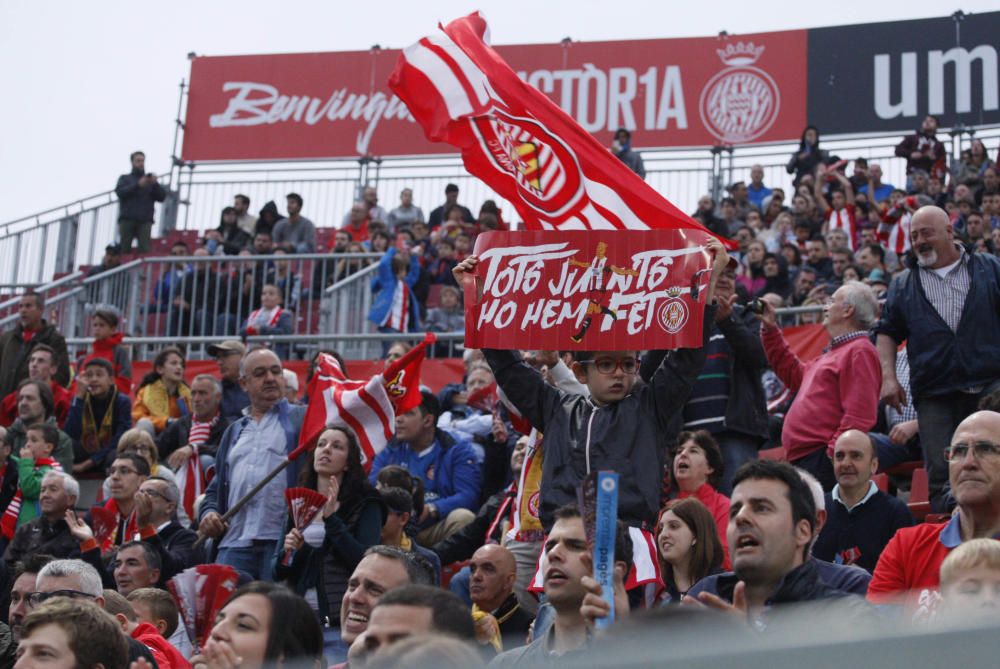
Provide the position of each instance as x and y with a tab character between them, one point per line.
235	508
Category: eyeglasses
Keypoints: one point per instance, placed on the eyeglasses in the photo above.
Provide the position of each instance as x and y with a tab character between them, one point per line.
982	449
36	598
609	365
121	471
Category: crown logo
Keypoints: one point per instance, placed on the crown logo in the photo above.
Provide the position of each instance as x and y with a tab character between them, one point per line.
673	291
740	53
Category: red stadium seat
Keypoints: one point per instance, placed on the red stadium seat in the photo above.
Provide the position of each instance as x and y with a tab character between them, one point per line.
920	504
905	469
772	454
882	481
434	296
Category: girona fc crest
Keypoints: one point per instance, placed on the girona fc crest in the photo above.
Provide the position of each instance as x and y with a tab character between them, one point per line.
545	170
741	102
672	316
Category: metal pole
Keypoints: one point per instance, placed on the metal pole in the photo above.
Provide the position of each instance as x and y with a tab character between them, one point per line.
175	161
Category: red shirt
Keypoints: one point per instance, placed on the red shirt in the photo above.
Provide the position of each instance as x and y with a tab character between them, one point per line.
63	398
837	391
908	571
718	505
359	234
166	656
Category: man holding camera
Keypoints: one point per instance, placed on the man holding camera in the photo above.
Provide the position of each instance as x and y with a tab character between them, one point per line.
728	397
137	192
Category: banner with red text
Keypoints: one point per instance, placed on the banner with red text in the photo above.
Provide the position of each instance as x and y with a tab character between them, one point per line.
593	290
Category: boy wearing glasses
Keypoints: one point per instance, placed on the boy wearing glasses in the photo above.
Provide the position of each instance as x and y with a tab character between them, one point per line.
613	429
911	562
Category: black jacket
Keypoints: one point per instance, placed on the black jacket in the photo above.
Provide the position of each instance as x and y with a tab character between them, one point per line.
8	484
175	544
463	543
14	354
135	202
39	536
942	361
746	410
176	436
581	437
802	584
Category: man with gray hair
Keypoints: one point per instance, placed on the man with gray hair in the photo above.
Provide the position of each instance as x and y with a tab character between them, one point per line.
944	307
48	533
203	427
76	579
837	391
252	447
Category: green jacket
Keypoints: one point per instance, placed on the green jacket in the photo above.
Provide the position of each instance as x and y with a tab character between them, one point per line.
17	437
29	478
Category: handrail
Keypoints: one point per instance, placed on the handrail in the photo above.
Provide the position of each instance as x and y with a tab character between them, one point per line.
43	288
351	279
108	273
102	198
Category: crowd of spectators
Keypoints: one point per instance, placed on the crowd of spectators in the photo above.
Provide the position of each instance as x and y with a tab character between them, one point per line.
751	479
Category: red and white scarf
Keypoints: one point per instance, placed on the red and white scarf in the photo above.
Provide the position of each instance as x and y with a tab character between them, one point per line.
271	322
844	219
894	233
398	317
8	523
190	476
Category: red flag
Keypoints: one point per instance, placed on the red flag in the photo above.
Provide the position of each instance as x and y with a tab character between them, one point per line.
191	481
368	407
402	376
521	143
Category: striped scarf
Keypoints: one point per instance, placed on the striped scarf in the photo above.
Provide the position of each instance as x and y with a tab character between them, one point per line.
92	436
8	523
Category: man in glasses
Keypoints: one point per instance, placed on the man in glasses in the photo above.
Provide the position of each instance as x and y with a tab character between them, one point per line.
25	584
76	579
911	562
836	392
613	429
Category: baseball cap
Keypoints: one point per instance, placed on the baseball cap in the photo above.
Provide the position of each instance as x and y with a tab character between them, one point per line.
226	348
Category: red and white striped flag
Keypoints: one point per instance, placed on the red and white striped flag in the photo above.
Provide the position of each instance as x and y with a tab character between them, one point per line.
521	143
367	407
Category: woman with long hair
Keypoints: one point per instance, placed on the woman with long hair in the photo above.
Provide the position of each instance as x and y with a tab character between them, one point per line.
688	547
325	553
263	625
163	394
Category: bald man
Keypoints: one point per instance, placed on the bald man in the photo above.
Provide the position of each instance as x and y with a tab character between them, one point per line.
945	309
499	618
861	519
912	560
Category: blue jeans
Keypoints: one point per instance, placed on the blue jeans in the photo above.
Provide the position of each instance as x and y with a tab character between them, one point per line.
737	450
890	454
255	560
459	585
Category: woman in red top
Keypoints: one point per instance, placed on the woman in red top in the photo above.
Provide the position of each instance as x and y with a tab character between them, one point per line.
697	471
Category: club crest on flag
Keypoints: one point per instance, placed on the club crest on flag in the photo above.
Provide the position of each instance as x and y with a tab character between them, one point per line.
545	170
395	386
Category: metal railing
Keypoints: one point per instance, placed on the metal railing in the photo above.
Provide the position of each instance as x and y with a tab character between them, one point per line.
194	301
38	247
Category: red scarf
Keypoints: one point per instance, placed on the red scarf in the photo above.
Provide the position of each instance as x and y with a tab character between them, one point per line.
845	220
252	330
8	523
131	528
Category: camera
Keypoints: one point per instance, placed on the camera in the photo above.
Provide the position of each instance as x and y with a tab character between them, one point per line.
757	306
